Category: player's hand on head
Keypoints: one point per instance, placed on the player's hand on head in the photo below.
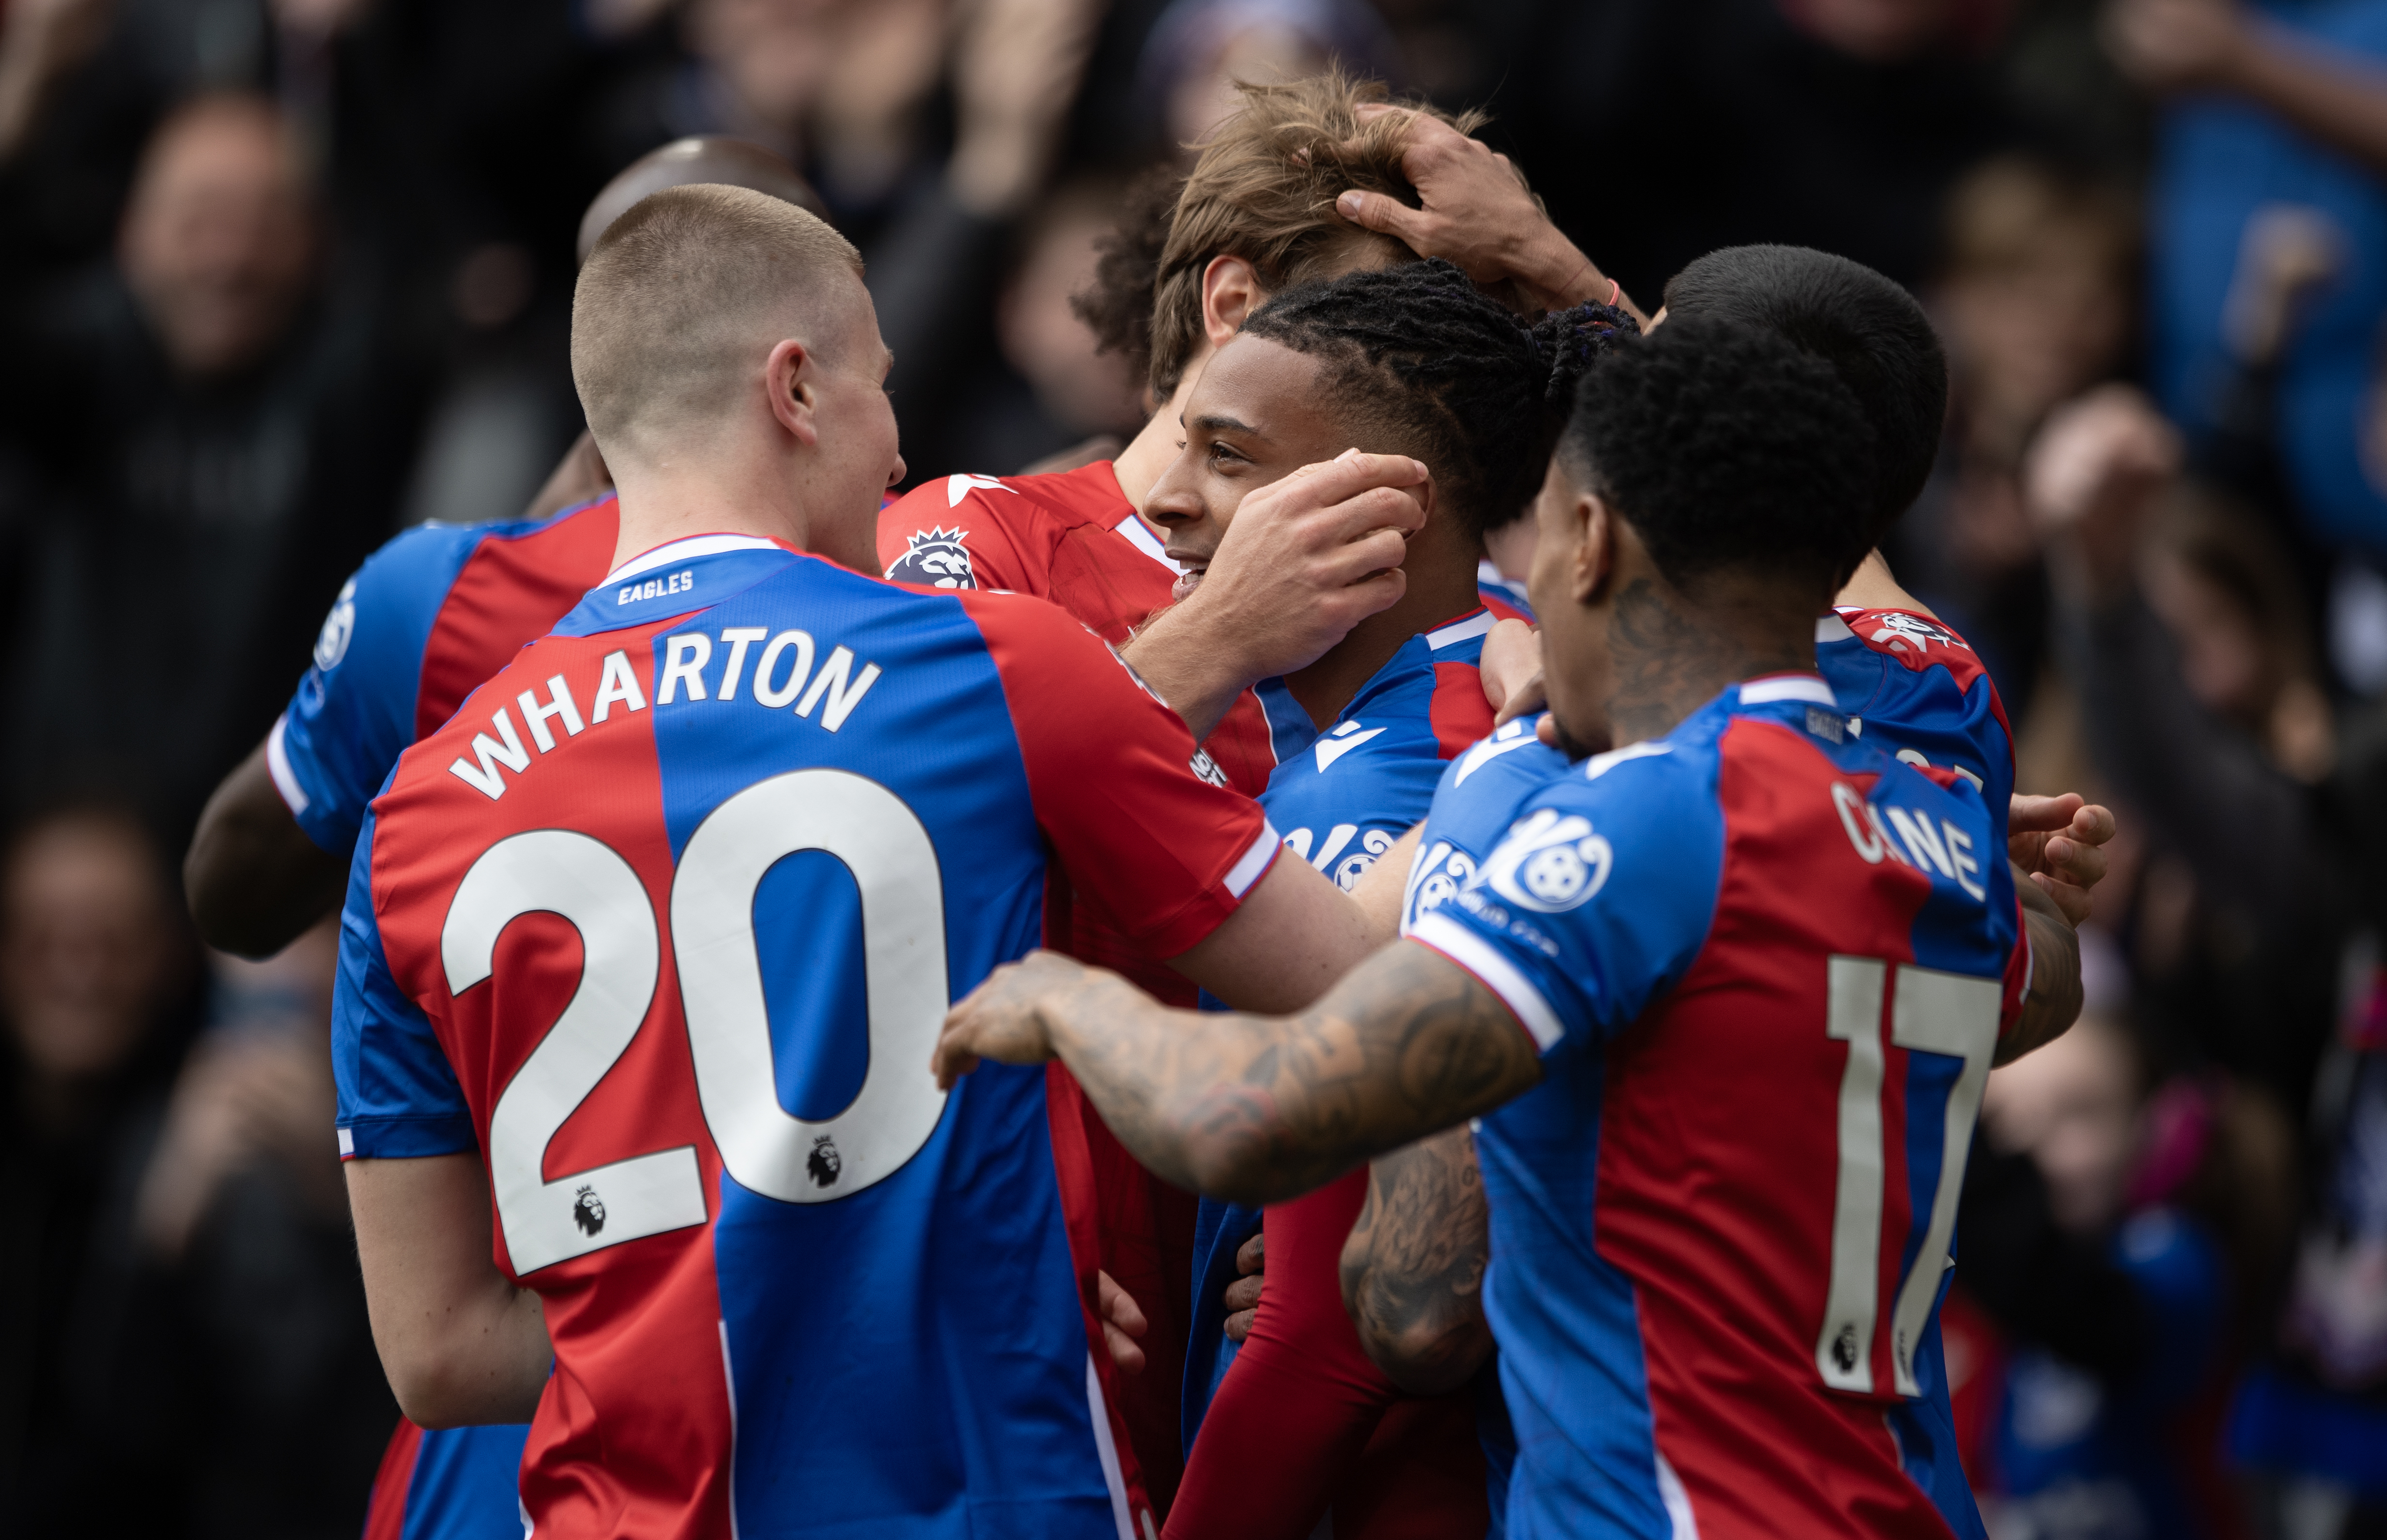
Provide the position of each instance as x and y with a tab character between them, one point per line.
1474	211
1511	670
2059	843
1242	1297
1000	1019
1310	556
1123	1323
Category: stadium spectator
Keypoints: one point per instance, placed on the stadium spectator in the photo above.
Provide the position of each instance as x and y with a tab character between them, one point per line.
2121	1232
2035	300
92	973
213	440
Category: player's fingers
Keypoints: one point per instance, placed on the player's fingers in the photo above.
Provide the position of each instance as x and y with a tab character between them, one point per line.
1346	477
1118	1306
2094	825
1386	216
2070	861
1252	1256
1531	695
951	1061
2041	815
1239	1325
1355	560
1244	1293
2074	902
1546	729
1124	1351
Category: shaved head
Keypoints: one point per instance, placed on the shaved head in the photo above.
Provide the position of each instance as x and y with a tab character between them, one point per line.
683	300
714	158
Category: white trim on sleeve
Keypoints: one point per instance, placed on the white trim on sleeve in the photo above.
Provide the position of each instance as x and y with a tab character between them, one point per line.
348	1143
1500	976
1248	867
277	764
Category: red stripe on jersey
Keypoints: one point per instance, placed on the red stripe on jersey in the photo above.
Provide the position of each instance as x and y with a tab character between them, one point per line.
509	592
386	1506
1501	609
632	1435
1728	1239
1071	1117
1919	643
1460	714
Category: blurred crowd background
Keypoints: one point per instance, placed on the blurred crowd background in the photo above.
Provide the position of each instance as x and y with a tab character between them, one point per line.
280	277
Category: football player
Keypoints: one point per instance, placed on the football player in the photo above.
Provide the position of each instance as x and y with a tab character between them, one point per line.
432	615
1256	215
1719	1013
1416	358
645	953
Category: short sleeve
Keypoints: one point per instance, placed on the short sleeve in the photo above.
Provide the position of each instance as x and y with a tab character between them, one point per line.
953	533
1595	901
398	1096
1167	853
353	712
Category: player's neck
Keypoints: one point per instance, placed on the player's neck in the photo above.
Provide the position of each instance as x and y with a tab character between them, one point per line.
1441	568
661	504
1148	453
1667	657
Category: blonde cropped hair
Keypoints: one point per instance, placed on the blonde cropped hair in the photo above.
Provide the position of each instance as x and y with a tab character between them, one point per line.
684	296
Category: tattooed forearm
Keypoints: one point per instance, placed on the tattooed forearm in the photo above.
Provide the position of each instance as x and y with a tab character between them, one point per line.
1413	1266
1258	1110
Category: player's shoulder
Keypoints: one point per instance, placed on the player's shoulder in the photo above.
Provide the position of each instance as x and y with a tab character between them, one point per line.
934	534
1914	641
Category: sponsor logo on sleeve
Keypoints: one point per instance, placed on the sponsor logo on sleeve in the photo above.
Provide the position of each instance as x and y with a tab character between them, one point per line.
339	627
1549	862
934	558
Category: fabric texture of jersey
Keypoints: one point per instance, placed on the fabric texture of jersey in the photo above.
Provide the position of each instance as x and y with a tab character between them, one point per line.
1073	538
430	615
1760	920
1298	1420
448	1484
665	921
1502	594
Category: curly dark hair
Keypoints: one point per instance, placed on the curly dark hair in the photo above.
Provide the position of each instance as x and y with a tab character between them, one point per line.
1727	448
1474	392
1872	332
1117	304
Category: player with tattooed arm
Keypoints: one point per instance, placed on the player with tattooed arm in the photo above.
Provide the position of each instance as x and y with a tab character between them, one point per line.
1720	1017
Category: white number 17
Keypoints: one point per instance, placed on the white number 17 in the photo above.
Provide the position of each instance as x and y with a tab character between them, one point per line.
1951	1014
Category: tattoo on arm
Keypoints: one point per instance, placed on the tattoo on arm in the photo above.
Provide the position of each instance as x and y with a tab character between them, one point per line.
1413	1266
1258	1110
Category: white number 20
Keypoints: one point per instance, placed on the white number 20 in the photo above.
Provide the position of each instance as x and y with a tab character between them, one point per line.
894	864
1930	1012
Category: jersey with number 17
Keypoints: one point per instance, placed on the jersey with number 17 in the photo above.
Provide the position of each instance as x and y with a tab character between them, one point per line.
1766	967
665	922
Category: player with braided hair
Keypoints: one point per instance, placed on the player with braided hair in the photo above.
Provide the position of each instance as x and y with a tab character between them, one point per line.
1411	359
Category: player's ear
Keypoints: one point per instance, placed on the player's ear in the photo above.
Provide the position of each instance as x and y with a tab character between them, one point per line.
1595	531
1231	292
790	379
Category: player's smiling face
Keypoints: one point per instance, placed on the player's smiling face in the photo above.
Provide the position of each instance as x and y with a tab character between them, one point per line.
1256	416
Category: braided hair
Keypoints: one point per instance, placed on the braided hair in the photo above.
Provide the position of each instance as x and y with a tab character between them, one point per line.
1461	384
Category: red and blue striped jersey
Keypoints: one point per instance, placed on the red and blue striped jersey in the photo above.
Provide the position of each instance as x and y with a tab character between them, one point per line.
1503	595
1766	971
429	616
1308	1400
665	923
420	626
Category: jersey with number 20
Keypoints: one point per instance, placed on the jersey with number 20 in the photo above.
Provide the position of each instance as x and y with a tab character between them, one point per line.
665	922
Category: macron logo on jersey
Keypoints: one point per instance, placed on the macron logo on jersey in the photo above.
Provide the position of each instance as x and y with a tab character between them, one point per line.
1341	742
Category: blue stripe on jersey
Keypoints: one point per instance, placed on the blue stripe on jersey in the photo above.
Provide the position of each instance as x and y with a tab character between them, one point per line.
383	1093
353	712
466	1484
998	1427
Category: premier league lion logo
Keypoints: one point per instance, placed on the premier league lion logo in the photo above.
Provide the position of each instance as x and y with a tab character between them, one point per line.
824	1163
934	558
589	1211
